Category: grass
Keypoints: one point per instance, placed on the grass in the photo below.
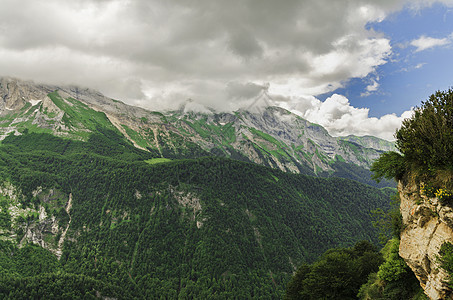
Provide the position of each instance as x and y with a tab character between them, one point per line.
159	160
266	137
79	116
137	137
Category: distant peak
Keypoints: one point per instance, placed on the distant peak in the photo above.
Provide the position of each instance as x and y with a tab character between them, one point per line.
260	103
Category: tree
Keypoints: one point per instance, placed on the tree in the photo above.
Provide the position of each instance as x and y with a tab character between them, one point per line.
425	140
338	274
427	137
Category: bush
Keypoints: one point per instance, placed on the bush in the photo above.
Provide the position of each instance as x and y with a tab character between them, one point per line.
446	261
394	266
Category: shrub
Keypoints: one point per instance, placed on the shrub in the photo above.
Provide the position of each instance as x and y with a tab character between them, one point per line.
426	189
444	195
394	266
446	261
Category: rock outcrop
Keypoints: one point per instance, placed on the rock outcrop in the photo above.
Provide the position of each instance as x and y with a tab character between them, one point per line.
34	224
427	224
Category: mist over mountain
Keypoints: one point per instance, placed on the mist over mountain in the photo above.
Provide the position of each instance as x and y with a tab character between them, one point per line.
263	134
103	199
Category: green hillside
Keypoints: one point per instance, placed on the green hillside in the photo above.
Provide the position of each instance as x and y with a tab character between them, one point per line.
125	225
273	137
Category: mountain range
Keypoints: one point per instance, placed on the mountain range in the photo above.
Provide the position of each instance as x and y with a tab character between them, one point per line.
262	134
102	199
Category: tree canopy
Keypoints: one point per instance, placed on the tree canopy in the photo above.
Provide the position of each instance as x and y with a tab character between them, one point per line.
425	140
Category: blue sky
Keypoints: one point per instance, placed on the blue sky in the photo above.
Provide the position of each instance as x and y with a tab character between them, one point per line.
409	76
352	66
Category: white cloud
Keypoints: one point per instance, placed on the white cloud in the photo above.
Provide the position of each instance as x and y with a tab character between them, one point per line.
419	66
341	119
372	87
318	43
160	53
426	42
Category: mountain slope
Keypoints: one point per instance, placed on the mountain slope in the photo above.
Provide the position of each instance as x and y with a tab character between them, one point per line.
197	228
270	136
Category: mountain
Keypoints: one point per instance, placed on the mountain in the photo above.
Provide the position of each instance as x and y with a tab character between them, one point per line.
103	218
102	199
370	142
263	134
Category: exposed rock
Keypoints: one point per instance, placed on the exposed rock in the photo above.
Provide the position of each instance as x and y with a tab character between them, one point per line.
427	225
14	93
263	134
34	225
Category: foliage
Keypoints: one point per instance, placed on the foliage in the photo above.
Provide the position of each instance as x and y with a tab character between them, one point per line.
338	274
59	286
446	261
428	190
394	280
444	195
357	173
426	139
426	144
390	165
138	227
388	222
394	266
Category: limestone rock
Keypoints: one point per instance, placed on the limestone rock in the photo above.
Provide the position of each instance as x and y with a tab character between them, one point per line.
427	225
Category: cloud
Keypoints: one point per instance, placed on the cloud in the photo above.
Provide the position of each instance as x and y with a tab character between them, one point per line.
178	43
157	54
341	119
372	87
419	66
249	90
424	42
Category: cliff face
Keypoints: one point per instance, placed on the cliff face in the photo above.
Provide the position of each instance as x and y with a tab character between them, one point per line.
427	225
37	224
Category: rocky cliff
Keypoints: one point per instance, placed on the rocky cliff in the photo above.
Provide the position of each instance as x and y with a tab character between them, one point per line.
44	224
427	224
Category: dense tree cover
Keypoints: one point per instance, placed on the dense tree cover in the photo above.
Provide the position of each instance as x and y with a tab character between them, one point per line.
390	222
338	274
197	228
394	280
354	172
387	275
359	272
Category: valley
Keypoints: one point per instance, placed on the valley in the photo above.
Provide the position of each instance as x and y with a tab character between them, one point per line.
180	205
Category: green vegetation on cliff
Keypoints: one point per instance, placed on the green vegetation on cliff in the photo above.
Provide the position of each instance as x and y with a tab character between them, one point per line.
425	143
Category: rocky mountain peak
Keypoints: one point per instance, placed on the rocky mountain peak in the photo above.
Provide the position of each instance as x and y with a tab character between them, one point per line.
260	103
14	93
261	133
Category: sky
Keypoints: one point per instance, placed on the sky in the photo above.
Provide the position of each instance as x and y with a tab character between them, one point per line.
353	66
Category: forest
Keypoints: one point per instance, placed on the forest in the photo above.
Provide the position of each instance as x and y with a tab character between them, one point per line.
143	227
424	159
